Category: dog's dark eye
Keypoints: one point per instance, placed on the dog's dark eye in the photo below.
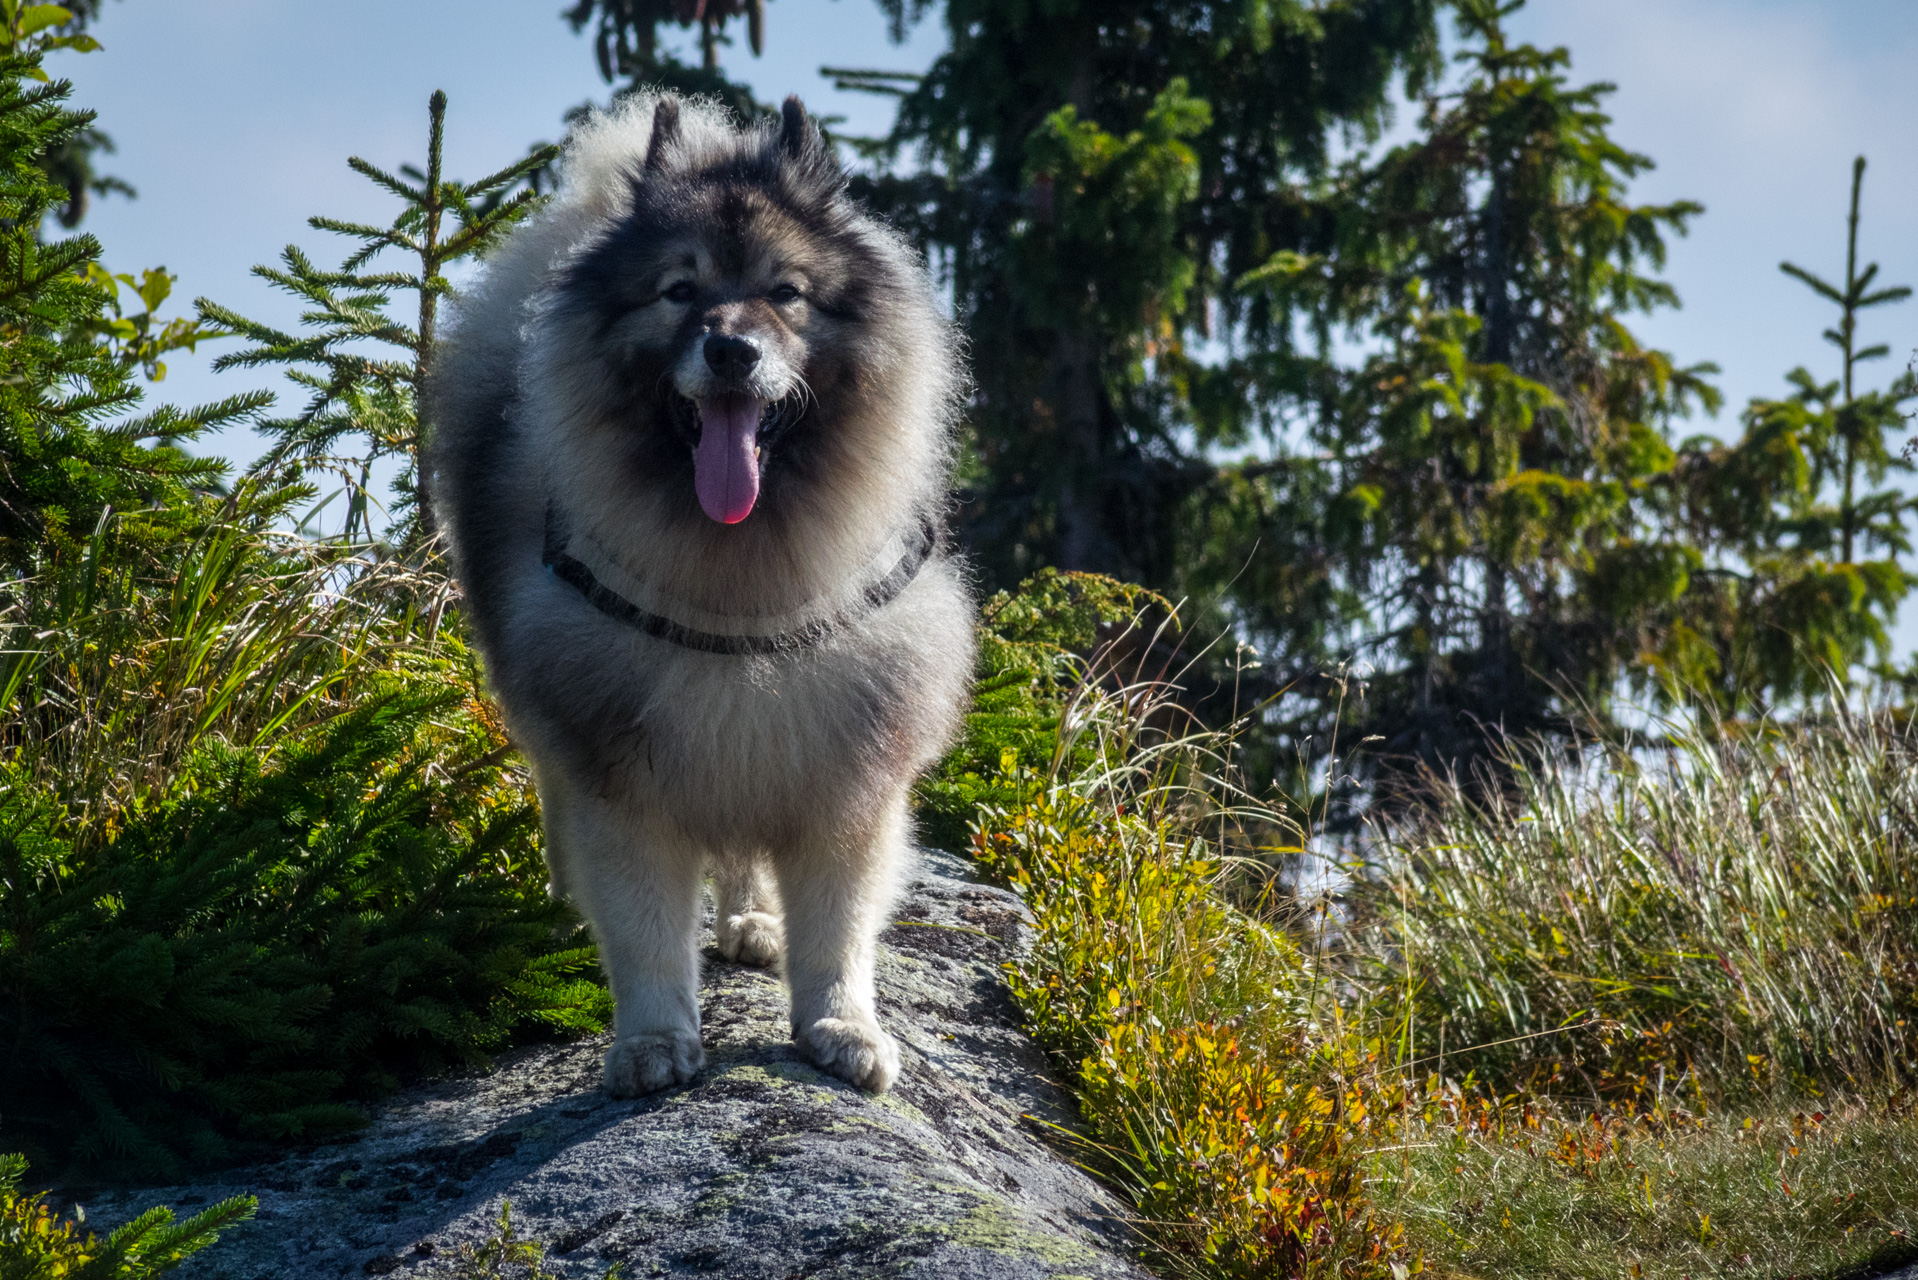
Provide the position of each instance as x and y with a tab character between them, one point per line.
784	293
681	292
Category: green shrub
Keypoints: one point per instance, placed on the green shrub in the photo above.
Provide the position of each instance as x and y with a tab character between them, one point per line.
275	937
36	1245
1031	642
263	854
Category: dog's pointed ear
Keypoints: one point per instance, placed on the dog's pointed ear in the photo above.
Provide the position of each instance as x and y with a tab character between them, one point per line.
796	136
800	140
665	132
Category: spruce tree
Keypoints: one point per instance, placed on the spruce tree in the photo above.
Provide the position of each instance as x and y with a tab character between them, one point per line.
362	408
1799	505
43	28
72	449
1492	510
1854	438
626	45
1095	177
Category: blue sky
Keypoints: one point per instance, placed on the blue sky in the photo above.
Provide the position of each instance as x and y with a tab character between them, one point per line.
234	119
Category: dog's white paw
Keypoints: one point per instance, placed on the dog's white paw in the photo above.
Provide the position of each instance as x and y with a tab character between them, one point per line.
752	937
857	1052
650	1061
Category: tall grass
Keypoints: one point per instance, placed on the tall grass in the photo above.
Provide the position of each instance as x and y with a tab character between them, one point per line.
1597	1022
1732	914
115	668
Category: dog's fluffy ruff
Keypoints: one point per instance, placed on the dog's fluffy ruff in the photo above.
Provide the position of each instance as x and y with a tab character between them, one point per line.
787	775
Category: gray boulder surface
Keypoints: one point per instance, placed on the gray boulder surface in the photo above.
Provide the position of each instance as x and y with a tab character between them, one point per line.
761	1167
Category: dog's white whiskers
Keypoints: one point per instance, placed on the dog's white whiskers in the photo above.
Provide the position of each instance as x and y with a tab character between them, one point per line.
806	393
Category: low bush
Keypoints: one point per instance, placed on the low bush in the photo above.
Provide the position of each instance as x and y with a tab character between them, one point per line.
272	939
1233	1107
263	855
35	1244
1032	644
1218	1083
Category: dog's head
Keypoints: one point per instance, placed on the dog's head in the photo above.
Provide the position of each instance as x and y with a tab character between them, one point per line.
735	308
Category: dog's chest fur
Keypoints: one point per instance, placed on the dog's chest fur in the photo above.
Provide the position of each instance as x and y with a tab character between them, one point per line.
739	749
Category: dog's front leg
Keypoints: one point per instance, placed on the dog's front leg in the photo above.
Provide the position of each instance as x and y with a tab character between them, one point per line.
639	889
837	893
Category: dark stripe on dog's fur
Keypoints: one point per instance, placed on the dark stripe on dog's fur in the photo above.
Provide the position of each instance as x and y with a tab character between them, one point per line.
470	483
615	606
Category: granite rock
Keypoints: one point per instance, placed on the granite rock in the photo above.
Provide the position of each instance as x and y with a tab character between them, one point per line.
760	1168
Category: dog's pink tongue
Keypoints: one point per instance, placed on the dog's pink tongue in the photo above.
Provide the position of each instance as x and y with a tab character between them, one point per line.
725	470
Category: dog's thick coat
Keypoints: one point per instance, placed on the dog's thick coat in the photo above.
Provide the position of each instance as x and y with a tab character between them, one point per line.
705	371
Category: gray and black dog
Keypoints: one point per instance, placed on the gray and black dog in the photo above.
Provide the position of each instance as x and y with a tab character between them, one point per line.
695	432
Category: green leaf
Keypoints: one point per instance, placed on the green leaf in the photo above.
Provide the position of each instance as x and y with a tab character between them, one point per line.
41	16
155	284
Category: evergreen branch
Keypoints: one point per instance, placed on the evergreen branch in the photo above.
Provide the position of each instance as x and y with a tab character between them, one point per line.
171	422
479	230
315	349
512	173
320	222
380	177
93	403
466	239
372	249
237	325
1824	290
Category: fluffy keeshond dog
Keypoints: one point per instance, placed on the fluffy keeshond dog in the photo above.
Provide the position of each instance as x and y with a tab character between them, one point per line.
694	434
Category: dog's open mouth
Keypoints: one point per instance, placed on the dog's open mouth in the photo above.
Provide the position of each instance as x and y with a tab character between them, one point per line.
729	434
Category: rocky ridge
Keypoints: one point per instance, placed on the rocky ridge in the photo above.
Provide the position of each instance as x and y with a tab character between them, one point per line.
761	1168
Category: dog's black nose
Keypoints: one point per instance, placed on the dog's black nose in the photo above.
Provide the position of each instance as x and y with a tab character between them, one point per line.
731	356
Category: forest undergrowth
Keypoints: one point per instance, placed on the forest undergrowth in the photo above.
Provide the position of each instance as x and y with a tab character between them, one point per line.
265	852
1640	1012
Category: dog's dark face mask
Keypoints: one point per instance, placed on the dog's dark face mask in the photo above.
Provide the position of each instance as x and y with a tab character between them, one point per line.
733	297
